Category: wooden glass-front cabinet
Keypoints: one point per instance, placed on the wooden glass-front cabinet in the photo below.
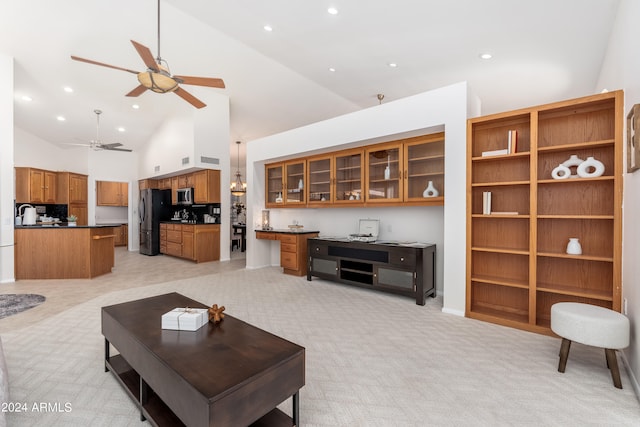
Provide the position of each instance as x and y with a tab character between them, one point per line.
349	177
424	164
320	180
384	173
517	261
398	172
336	179
285	184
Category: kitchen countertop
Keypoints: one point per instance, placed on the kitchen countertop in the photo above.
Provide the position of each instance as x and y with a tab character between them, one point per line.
62	225
190	223
286	231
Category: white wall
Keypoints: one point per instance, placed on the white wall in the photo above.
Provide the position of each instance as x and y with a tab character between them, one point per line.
6	169
205	132
621	70
445	108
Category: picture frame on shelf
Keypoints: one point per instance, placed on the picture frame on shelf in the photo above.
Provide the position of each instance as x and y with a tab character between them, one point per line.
633	139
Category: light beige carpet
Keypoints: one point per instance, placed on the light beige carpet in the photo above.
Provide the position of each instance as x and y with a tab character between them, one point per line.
372	359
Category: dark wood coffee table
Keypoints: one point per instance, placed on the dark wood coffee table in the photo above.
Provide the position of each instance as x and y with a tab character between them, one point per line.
230	374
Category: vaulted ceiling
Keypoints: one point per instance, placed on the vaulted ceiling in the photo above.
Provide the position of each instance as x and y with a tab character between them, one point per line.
542	51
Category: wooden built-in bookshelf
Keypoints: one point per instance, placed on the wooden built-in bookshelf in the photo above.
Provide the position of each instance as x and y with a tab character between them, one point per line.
517	265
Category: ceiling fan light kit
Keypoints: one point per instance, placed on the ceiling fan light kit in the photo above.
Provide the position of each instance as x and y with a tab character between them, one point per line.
157	81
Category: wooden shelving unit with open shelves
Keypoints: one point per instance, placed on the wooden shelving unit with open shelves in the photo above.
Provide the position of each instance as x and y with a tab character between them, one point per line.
517	265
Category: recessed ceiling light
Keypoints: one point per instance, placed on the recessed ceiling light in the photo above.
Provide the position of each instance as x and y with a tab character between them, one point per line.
486	56
268	28
61	118
332	11
121	129
333	70
68	89
393	64
135	106
27	98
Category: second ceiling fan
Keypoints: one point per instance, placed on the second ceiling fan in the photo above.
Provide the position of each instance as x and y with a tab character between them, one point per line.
157	77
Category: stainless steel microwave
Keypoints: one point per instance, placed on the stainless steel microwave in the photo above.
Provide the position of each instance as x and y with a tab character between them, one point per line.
185	196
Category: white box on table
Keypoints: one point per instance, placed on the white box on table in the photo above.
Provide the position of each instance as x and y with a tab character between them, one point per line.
185	319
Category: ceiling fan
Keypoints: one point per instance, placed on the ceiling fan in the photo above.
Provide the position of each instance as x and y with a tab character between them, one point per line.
157	77
98	145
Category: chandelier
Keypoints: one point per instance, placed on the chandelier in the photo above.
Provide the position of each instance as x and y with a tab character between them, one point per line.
238	188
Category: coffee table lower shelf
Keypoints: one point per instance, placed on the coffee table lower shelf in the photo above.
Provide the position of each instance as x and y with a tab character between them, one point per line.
157	412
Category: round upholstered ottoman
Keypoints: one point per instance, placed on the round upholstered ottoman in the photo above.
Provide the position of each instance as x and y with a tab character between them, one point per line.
590	325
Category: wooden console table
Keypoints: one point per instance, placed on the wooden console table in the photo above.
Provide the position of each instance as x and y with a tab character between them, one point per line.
406	269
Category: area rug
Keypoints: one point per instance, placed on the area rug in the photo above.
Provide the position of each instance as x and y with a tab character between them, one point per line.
11	304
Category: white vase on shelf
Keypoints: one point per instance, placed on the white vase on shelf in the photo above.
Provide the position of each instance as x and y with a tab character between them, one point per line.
430	191
574	247
590	168
387	170
561	172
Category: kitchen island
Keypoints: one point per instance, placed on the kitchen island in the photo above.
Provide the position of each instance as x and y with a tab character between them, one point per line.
62	252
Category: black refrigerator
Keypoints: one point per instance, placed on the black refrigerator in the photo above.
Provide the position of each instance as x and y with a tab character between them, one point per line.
154	206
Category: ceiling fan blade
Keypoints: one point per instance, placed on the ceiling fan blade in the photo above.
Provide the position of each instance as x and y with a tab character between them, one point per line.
112	145
189	98
146	55
201	81
80	145
89	61
117	149
139	90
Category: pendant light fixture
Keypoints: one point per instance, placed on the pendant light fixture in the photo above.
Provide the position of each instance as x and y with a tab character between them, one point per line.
238	188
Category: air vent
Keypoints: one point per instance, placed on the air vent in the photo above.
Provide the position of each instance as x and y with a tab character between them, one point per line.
210	160
185	160
157	168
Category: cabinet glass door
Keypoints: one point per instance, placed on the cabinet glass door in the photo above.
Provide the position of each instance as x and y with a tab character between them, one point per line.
294	173
348	178
395	278
324	266
275	186
320	181
424	164
384	174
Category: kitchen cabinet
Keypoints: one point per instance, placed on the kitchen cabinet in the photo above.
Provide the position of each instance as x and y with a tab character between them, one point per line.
81	211
110	193
285	184
35	186
174	190
293	249
121	235
73	191
143	184
63	252
195	242
164	184
185	181
404	270
206	186
517	263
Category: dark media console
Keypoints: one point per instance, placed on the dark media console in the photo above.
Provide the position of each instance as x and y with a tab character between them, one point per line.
397	268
